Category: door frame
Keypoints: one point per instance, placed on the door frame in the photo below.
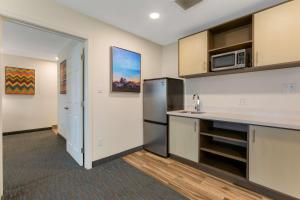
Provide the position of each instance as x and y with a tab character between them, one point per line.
87	82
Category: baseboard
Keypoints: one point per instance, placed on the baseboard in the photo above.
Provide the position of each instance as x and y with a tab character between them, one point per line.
116	156
241	182
26	131
60	136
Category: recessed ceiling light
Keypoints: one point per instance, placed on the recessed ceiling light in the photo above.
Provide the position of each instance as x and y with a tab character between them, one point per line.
56	58
154	15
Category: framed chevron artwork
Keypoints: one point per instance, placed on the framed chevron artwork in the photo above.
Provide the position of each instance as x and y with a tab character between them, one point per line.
19	81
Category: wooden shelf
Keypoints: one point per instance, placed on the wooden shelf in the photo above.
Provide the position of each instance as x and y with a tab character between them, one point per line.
242	45
224	146
246	70
235	136
224	164
226	150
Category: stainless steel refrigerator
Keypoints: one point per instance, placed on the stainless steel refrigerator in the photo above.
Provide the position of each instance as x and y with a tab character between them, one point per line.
160	95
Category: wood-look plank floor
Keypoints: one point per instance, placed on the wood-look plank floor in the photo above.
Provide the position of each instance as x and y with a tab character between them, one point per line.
188	181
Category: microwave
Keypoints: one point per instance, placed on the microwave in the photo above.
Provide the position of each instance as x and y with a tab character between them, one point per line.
231	60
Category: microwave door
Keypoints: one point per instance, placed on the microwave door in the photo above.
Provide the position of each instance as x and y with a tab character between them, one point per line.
226	61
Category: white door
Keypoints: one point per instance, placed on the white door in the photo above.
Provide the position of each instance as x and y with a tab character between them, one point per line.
71	120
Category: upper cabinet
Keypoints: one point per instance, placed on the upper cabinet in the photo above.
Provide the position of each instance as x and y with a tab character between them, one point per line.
277	35
266	40
193	54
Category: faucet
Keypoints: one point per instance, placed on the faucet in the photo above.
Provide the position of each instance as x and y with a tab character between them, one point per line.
197	106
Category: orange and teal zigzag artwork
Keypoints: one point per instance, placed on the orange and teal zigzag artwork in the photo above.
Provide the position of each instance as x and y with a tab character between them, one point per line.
19	81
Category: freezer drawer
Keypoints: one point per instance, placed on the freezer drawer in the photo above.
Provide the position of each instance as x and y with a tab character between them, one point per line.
155	138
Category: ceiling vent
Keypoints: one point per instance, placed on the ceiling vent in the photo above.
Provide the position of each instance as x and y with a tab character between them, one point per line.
186	4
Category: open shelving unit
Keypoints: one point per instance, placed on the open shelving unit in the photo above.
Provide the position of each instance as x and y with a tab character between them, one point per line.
223	164
224	146
231	36
237	46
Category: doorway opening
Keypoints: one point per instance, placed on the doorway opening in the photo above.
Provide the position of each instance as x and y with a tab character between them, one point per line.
44	88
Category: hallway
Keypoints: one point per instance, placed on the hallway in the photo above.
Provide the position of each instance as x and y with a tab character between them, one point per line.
37	167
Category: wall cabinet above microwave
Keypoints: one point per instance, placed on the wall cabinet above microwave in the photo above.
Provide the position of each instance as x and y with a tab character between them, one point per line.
277	35
272	37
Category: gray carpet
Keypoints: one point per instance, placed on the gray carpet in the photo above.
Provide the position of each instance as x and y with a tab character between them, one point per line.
37	167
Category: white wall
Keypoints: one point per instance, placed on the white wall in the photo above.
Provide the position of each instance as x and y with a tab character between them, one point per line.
114	118
259	92
170	60
23	112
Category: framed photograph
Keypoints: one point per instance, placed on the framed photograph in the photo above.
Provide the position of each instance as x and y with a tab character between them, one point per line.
63	77
125	70
19	81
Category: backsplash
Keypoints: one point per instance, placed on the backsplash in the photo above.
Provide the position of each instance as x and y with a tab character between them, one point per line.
275	93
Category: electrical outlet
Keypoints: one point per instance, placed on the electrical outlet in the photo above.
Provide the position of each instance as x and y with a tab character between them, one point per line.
243	102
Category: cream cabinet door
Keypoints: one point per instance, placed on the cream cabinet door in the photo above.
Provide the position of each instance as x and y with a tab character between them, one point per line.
275	159
193	52
277	35
184	137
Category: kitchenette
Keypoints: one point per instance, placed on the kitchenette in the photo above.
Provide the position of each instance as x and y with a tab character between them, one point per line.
245	149
255	147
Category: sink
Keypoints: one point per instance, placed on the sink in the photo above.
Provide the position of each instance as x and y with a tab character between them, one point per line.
190	112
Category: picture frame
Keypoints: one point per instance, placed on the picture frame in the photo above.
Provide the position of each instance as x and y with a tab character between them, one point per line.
19	81
63	77
125	70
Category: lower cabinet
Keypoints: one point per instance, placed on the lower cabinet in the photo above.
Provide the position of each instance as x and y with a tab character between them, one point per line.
274	159
184	137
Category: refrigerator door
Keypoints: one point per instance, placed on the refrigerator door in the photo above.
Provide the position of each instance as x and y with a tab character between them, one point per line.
155	138
155	100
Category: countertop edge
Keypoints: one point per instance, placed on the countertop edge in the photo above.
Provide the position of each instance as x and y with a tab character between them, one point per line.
208	116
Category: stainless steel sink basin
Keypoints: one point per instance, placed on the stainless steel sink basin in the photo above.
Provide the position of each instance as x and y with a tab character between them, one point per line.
191	112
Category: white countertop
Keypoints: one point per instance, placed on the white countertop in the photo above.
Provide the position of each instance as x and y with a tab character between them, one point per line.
278	122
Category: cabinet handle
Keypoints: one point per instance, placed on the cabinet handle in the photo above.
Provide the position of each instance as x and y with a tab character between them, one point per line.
253	135
256	58
204	66
195	126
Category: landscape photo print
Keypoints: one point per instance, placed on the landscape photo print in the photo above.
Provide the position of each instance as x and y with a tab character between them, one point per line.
126	70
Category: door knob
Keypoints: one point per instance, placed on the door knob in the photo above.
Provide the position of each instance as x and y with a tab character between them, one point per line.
66	108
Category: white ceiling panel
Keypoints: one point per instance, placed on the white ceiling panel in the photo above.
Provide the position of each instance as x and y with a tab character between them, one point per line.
133	15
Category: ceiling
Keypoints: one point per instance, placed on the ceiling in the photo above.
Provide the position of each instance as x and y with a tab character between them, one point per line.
132	15
25	41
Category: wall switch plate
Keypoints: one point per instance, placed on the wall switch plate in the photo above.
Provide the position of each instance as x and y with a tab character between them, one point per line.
291	87
243	102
